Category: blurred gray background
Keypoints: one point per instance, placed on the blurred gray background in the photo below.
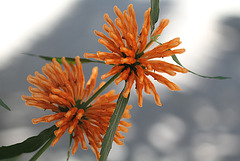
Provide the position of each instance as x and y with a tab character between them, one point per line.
199	123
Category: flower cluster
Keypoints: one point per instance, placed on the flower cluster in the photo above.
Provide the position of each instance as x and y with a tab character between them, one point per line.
130	57
77	107
63	92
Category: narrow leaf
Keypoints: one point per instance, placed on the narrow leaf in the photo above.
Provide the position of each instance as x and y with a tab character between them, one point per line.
4	105
114	121
174	57
68	59
29	145
154	14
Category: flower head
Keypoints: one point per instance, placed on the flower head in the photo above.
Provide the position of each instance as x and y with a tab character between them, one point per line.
63	92
130	56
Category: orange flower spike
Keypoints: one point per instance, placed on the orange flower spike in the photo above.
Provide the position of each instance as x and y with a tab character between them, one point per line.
52	93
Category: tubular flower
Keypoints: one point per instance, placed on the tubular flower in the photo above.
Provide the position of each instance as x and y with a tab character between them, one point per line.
129	55
63	92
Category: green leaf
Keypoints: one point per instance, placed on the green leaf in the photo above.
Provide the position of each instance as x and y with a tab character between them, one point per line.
174	57
68	59
43	149
154	14
4	105
29	145
114	121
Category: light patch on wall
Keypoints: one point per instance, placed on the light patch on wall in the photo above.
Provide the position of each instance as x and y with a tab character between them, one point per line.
23	21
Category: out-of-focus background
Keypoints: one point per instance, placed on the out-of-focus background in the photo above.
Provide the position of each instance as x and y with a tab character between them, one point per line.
199	123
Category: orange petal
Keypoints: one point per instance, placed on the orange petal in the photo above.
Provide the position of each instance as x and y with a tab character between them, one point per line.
133	20
71	112
129	84
123	76
113	71
80	114
153	92
90	55
163	23
172	86
73	125
128	60
90	84
111	24
127	51
139	88
75	144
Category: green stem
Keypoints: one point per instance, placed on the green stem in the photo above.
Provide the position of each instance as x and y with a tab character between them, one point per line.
43	149
69	148
99	91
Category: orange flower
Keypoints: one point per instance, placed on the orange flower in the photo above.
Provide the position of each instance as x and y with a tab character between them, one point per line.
129	53
63	92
